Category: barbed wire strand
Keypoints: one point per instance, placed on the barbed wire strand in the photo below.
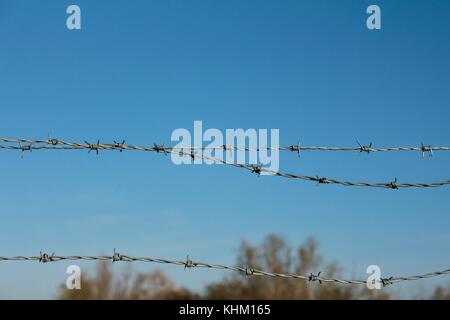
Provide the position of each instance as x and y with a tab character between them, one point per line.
293	148
248	271
55	144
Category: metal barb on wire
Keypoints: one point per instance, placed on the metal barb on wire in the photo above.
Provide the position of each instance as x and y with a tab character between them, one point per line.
52	141
315	277
249	271
119	145
363	148
386	281
116	256
256	169
189	263
160	148
296	148
192	154
426	149
24	148
393	184
321	180
93	147
44	257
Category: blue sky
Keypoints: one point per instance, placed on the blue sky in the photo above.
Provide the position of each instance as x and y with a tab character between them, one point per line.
137	71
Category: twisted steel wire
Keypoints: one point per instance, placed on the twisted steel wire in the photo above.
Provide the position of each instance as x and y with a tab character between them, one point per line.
55	144
291	148
116	257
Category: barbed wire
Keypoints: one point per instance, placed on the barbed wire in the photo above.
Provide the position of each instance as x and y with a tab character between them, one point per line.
424	149
247	270
55	144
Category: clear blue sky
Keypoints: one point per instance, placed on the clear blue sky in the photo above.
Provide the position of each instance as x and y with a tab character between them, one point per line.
138	70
